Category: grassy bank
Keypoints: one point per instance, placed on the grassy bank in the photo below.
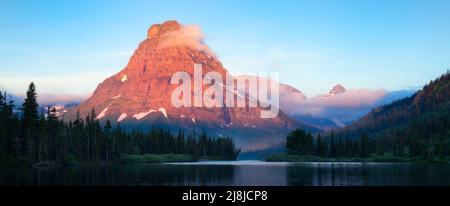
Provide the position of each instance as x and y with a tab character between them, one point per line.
282	157
215	158
155	158
123	159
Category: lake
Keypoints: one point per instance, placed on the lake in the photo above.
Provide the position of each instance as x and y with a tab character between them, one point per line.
238	173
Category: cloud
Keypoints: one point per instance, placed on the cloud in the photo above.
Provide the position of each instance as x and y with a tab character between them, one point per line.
356	98
350	98
49	99
53	99
189	36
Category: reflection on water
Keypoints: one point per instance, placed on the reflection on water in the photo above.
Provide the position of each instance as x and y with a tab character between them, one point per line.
143	174
335	174
239	173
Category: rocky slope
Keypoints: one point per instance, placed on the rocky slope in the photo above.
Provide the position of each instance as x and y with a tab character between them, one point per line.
139	96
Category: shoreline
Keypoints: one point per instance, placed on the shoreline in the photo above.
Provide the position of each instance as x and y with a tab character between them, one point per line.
188	159
282	157
124	159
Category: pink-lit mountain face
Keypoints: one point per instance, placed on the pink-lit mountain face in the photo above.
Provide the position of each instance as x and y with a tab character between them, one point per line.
139	96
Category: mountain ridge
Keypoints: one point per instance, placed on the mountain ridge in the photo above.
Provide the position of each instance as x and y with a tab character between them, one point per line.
139	95
418	125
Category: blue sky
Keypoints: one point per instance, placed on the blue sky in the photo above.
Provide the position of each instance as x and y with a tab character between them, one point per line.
69	46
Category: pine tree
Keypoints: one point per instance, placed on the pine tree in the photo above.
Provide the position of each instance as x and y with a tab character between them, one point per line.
30	107
3	129
41	136
202	144
320	147
107	139
332	146
293	142
30	119
364	146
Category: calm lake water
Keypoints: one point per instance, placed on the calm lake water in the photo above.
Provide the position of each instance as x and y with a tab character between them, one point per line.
240	173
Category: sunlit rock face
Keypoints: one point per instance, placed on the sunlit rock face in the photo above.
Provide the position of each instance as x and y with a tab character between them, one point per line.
139	96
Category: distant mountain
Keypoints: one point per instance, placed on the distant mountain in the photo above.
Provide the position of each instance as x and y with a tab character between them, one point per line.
419	121
339	107
17	99
262	154
347	107
60	99
59	109
336	90
291	99
46	100
320	122
289	96
392	96
336	109
139	96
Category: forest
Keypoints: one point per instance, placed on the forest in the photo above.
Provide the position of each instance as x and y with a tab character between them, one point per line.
300	142
413	128
302	146
29	136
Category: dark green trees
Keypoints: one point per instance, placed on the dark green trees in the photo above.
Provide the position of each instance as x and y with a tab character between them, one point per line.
32	136
30	107
10	142
29	123
413	127
300	143
159	141
321	147
364	146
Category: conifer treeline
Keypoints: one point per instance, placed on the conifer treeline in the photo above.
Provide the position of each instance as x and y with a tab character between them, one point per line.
299	142
417	126
423	138
29	136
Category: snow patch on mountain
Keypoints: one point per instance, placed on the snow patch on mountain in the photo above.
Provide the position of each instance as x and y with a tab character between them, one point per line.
122	117
143	114
163	111
102	114
338	122
124	78
60	113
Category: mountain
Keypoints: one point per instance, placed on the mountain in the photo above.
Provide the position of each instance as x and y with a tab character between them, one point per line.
414	123
139	96
289	96
58	109
321	122
291	99
346	106
334	110
341	107
336	90
392	96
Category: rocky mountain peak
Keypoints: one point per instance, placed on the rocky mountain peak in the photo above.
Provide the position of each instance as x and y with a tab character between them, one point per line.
158	29
337	89
139	96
